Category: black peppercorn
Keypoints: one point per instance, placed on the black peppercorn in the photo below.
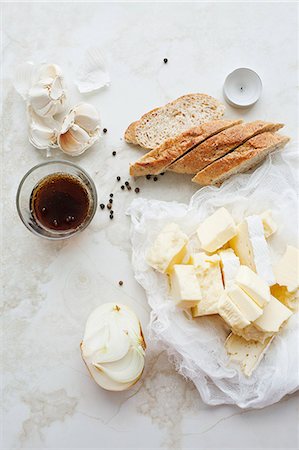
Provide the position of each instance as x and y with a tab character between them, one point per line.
122	187
165	60
110	200
105	130
114	153
148	177
118	178
120	283
155	178
111	216
127	183
137	190
111	195
162	173
102	206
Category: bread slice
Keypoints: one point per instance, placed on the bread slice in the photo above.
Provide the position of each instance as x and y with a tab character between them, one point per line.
172	119
217	146
241	159
158	159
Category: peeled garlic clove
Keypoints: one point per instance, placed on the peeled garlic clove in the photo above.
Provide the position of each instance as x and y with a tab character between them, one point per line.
80	129
42	132
113	346
87	117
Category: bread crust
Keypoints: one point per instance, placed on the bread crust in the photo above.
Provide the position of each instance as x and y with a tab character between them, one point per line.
158	159
219	145
241	159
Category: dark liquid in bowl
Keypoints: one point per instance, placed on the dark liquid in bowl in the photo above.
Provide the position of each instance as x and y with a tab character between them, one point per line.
60	202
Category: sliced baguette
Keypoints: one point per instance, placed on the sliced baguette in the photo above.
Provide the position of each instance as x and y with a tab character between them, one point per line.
219	145
172	119
241	159
158	159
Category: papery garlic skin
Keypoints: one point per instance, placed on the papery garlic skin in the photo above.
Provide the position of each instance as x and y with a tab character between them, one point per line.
113	347
42	131
47	95
81	128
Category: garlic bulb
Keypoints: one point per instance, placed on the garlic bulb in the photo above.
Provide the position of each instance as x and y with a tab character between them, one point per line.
80	129
47	95
42	131
113	347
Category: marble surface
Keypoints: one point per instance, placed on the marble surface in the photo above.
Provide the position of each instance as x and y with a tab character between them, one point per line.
49	401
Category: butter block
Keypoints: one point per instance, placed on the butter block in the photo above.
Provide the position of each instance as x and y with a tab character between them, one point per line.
251	247
231	313
229	264
248	354
216	230
246	305
185	289
168	249
270	226
253	285
208	273
287	269
274	315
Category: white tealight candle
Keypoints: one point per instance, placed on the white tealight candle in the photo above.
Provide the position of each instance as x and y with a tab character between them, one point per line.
242	88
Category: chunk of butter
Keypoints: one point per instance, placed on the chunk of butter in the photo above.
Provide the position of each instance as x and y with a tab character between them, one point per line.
229	264
216	230
185	289
245	303
275	313
168	249
231	313
208	273
251	247
287	269
253	285
248	354
270	226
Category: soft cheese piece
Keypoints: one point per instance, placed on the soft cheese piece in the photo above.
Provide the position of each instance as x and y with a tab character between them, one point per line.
246	353
251	333
208	273
184	286
289	299
216	230
270	226
251	247
253	285
275	313
229	264
287	269
245	303
168	249
231	313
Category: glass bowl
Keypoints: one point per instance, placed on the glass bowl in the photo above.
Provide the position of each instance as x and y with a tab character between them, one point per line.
33	178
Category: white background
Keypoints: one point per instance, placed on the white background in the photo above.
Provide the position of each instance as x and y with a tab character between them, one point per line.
50	288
